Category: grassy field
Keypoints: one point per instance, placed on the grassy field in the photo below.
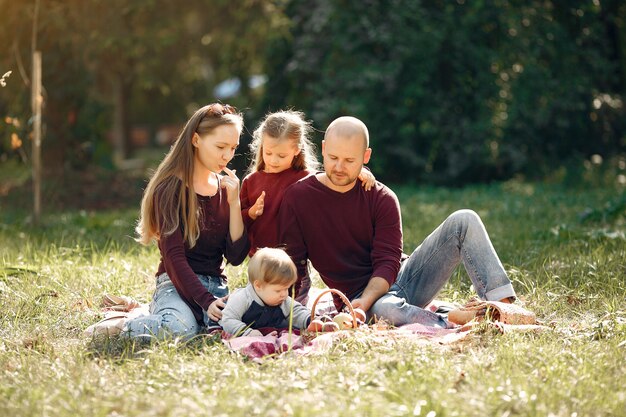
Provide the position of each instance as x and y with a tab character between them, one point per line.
565	250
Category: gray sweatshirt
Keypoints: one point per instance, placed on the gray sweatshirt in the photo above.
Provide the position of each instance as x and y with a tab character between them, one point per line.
245	311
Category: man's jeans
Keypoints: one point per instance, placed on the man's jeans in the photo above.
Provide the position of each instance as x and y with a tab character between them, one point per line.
460	238
170	316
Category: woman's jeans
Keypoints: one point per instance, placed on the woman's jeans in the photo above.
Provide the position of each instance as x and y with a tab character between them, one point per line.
170	316
460	238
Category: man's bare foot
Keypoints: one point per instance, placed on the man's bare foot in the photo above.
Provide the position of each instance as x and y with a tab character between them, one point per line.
508	300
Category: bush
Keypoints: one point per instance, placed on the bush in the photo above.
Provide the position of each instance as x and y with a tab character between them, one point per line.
456	92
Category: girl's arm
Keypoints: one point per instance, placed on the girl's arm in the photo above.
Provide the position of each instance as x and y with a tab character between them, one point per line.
250	211
244	198
257	208
367	178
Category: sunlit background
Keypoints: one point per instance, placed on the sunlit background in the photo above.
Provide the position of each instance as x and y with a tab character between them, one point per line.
453	92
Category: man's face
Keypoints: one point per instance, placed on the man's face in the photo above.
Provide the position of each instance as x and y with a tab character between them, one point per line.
343	159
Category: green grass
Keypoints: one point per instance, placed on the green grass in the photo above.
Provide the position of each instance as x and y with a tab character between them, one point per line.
564	249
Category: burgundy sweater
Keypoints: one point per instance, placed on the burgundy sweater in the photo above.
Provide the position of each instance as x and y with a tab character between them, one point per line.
349	237
263	232
182	263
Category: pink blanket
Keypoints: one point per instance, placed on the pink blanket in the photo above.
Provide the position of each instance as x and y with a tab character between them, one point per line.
279	342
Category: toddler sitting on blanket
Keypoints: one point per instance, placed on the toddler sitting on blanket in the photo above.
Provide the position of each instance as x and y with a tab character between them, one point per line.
265	301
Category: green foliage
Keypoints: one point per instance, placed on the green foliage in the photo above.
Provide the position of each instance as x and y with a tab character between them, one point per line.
458	91
453	91
150	62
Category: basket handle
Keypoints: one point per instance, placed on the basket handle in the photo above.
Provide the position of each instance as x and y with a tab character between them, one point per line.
343	298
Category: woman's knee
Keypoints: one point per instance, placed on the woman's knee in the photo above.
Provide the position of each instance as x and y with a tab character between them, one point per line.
159	327
175	326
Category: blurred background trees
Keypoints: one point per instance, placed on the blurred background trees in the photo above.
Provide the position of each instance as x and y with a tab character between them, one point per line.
452	91
458	91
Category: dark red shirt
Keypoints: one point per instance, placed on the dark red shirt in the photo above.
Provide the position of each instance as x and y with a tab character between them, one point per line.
349	237
263	231
182	263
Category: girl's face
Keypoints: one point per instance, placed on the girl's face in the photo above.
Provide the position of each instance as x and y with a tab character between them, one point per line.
278	154
214	150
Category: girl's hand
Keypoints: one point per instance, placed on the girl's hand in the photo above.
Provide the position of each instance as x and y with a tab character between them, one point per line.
367	178
231	183
257	208
215	309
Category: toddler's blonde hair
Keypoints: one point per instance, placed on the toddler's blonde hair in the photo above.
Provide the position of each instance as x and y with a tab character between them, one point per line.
272	266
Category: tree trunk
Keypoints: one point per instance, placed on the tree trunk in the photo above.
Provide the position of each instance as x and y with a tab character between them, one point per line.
120	121
36	106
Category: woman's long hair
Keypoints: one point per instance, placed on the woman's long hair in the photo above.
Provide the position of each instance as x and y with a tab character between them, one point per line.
170	197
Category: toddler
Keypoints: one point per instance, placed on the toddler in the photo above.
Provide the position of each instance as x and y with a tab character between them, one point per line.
265	301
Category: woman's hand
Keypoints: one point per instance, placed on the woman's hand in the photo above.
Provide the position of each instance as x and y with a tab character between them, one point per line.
230	182
215	309
257	208
367	178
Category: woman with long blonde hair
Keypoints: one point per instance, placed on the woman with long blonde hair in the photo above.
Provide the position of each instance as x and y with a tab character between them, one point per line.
194	215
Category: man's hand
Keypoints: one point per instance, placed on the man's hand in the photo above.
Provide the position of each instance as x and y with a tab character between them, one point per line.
362	304
231	183
375	289
257	208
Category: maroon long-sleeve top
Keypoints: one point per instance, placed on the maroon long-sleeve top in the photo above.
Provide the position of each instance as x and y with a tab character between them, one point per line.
183	263
263	231
349	237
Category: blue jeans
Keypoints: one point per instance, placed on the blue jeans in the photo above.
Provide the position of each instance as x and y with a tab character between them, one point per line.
460	238
170	316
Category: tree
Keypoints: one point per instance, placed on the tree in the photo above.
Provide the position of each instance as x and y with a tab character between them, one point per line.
454	91
115	63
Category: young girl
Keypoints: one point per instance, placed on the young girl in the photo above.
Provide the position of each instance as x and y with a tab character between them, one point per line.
194	214
283	154
265	301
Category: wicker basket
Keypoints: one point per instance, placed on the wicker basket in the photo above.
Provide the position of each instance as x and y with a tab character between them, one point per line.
343	298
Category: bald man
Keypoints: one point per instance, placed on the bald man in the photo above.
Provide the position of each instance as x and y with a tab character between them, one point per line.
353	238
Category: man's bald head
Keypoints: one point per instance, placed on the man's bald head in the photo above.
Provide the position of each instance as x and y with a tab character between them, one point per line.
348	126
345	149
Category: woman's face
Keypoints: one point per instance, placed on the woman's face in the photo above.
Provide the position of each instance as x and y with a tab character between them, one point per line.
214	150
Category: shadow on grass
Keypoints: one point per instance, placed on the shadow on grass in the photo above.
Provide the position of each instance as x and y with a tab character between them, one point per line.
120	349
80	229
